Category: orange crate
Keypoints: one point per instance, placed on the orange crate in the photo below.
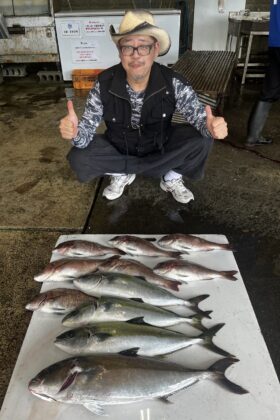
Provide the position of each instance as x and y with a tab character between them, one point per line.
84	78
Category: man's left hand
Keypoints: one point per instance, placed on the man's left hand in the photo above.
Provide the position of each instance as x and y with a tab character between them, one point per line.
216	125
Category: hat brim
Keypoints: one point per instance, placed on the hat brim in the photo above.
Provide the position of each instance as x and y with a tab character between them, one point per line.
149	30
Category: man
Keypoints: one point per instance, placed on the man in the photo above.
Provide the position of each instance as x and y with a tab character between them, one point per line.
137	99
271	87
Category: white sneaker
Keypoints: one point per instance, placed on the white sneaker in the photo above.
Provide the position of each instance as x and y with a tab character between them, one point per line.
177	189
117	185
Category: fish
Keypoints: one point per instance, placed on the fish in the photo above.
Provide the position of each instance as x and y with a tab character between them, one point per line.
59	301
82	248
135	268
184	243
95	382
132	339
69	269
186	271
111	309
134	245
125	286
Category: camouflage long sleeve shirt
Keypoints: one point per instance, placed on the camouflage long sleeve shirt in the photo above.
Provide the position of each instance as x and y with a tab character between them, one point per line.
187	104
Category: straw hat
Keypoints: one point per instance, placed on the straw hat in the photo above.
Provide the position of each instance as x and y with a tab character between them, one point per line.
141	22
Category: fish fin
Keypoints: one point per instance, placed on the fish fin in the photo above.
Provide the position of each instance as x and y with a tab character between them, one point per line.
95	408
165	399
219	368
114	257
138	320
137	300
197	299
130	352
208	335
69	380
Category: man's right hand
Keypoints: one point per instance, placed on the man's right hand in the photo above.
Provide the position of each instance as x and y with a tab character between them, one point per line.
69	125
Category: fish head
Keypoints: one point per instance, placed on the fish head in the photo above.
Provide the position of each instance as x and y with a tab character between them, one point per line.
36	303
54	382
73	341
64	248
163	268
48	271
117	240
88	282
80	315
165	241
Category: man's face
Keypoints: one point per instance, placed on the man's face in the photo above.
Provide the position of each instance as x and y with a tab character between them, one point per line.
138	66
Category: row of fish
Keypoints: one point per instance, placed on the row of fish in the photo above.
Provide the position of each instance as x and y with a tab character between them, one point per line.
116	312
173	245
168	274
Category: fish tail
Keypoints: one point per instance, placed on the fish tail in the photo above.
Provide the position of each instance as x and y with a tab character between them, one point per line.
118	252
229	275
194	302
174	254
208	335
219	368
226	247
196	320
170	284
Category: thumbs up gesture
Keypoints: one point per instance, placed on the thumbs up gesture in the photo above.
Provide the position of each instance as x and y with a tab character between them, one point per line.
216	125
69	125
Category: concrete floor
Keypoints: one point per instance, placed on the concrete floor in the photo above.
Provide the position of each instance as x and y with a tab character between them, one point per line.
40	199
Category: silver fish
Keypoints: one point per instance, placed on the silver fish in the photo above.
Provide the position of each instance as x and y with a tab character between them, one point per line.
81	248
59	301
184	243
134	245
67	269
131	339
110	309
125	286
99	381
186	271
135	268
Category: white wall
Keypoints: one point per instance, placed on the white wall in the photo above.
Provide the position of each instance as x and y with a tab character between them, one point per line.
210	26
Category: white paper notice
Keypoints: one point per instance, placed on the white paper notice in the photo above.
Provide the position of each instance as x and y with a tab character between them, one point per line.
94	27
70	29
85	51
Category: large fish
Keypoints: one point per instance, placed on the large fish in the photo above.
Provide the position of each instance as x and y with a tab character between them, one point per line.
111	309
134	245
135	268
186	271
59	301
131	339
81	248
184	243
125	286
67	269
99	381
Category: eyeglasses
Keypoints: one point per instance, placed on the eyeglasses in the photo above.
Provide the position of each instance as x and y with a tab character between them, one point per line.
141	49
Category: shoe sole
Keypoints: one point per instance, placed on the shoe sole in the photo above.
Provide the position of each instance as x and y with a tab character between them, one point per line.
114	198
163	187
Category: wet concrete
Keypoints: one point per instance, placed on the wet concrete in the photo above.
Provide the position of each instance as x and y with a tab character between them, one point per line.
40	199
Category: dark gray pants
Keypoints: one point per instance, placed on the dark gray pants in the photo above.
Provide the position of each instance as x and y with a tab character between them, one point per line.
185	152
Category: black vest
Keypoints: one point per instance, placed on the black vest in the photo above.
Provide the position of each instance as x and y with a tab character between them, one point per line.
156	114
